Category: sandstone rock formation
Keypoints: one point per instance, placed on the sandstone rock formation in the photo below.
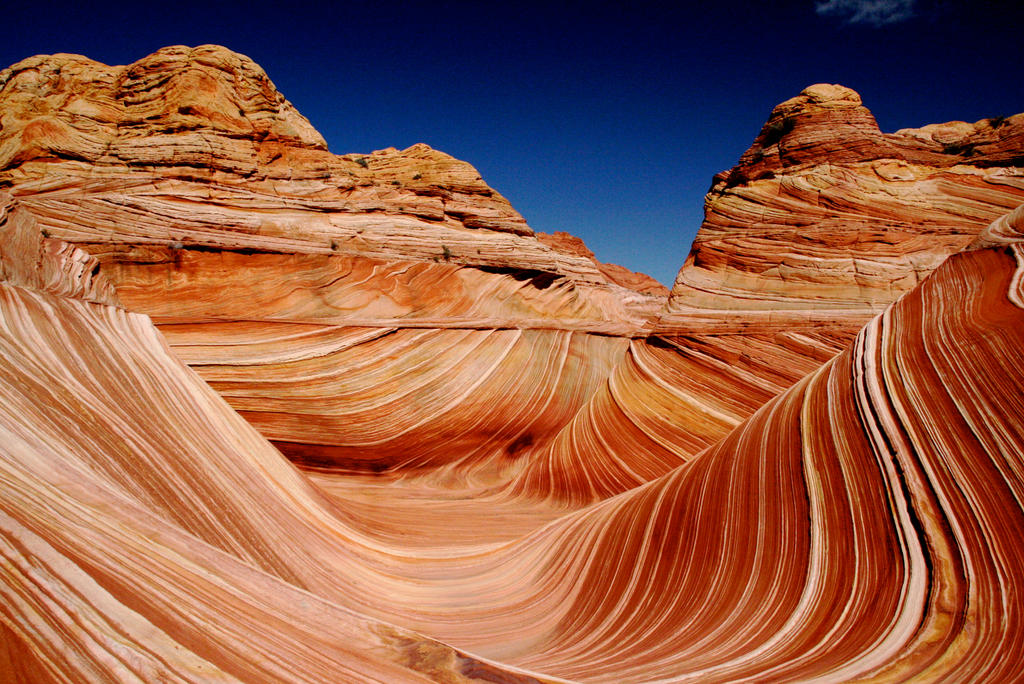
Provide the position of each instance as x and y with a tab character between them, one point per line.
513	465
823	223
150	533
187	168
825	219
192	152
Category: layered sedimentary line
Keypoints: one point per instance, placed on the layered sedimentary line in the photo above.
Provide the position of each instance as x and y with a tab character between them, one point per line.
179	259
198	286
151	210
569	416
29	256
667	400
400	400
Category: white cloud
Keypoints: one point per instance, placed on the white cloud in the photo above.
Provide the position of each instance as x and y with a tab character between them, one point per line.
874	12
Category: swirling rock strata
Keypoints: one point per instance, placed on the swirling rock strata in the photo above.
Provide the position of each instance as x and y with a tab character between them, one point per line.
507	473
859	526
145	527
31	258
863	524
182	172
824	222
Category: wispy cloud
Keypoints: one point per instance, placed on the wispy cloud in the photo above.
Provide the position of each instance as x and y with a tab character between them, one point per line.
874	12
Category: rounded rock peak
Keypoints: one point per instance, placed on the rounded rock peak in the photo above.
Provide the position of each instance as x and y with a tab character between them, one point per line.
822	98
211	55
819	97
831	93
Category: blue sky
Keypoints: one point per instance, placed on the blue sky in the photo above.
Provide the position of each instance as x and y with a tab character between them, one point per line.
604	120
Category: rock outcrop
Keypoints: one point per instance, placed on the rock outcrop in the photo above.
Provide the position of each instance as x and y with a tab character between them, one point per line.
641	282
275	414
863	524
29	257
192	150
212	206
826	220
823	223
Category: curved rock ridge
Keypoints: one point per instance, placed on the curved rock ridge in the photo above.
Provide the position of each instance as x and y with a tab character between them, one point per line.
1005	231
863	524
194	149
668	400
825	220
473	401
177	285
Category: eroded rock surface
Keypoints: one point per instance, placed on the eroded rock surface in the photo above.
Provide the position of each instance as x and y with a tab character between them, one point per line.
565	242
149	532
825	219
493	462
193	150
212	206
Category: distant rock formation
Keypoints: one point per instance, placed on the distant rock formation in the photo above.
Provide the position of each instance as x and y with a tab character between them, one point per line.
515	463
826	220
641	282
165	167
823	223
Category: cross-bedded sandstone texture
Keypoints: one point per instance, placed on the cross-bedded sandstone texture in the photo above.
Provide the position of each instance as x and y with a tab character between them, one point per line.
269	413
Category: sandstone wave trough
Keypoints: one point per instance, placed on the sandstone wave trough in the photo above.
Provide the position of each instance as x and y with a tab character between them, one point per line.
275	414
